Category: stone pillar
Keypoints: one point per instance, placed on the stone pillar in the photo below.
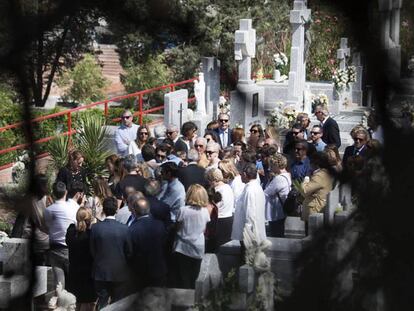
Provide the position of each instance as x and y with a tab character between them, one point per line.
357	96
344	96
331	206
390	11
211	71
245	50
315	222
297	74
175	107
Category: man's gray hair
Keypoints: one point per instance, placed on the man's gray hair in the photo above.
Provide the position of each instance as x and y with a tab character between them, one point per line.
172	128
130	163
134	197
201	140
159	131
192	155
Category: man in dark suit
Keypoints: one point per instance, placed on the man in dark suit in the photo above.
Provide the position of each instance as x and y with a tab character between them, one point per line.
192	173
224	131
359	147
188	132
110	249
148	238
131	180
329	126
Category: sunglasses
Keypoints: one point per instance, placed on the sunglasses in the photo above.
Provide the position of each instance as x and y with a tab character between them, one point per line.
224	120
254	131
198	146
358	139
125	117
296	133
143	133
210	152
315	133
170	133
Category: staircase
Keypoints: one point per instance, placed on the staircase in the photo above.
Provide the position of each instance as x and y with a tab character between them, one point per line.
111	68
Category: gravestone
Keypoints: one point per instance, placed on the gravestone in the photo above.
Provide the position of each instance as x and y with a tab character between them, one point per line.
315	222
331	206
14	256
12	287
211	71
344	96
357	95
345	196
294	227
247	102
175	107
299	16
208	278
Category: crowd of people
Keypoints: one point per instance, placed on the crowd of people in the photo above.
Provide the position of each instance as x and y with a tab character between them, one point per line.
169	198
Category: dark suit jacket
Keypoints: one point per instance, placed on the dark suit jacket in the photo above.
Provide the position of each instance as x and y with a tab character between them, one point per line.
350	151
110	248
229	141
160	210
180	145
135	181
192	174
331	132
148	238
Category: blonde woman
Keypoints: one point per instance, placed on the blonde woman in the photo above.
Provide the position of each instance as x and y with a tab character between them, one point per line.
276	192
232	177
189	243
225	206
80	281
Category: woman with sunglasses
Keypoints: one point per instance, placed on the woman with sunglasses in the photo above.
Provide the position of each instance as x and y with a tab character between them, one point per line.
256	135
143	134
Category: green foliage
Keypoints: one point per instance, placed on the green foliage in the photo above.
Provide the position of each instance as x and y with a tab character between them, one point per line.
58	149
90	140
184	61
85	82
327	28
220	298
152	73
6	226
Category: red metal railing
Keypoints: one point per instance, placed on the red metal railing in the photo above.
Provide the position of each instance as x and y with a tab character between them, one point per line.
140	113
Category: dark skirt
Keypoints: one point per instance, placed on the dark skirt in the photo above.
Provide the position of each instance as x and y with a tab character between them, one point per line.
223	232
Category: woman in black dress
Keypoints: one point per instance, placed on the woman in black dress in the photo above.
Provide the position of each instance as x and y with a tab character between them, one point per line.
80	281
74	171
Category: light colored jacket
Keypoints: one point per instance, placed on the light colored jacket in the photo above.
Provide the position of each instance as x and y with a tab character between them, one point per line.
315	192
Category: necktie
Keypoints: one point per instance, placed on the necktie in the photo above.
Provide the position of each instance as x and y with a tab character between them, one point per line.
224	139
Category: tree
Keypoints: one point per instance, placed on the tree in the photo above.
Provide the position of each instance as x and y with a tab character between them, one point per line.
84	82
54	36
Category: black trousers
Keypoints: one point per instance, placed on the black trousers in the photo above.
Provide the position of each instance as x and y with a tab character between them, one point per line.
187	270
277	228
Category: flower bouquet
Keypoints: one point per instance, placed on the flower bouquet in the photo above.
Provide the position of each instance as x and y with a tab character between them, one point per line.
280	60
319	100
343	77
224	105
281	118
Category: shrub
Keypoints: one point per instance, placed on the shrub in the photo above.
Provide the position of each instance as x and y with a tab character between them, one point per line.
85	82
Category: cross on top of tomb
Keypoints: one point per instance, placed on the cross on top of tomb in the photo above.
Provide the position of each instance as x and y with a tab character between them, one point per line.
343	53
300	13
245	49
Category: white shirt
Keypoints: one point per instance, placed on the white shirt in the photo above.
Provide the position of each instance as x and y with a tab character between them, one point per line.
190	235
125	134
250	211
123	214
58	217
237	186
223	137
226	206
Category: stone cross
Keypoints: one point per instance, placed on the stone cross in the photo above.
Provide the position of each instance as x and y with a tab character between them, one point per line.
297	74
245	50
343	53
